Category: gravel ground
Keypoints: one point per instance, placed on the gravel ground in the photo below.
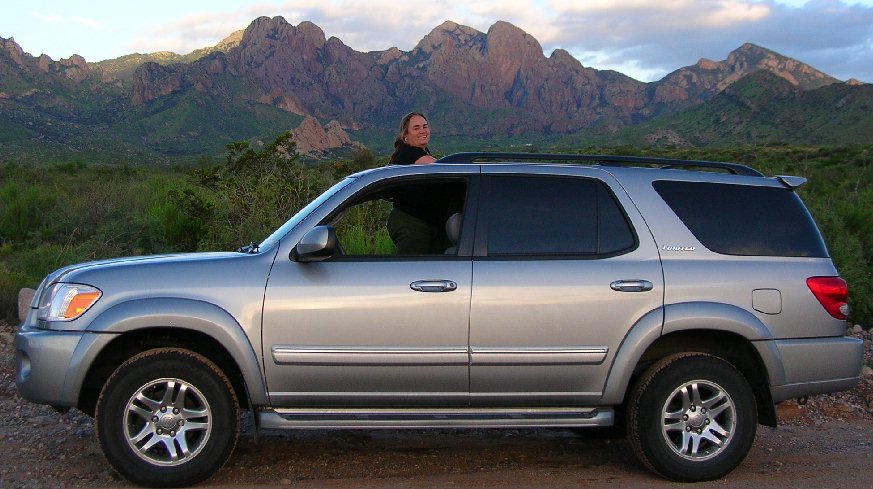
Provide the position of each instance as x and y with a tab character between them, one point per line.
826	442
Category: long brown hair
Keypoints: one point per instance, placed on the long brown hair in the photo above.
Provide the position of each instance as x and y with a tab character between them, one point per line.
404	126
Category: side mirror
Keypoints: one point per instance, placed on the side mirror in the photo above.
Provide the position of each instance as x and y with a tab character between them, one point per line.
318	244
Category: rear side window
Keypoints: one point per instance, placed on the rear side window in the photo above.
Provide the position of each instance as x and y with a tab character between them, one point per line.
744	220
555	216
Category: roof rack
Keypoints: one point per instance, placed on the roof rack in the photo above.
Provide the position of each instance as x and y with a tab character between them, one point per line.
603	160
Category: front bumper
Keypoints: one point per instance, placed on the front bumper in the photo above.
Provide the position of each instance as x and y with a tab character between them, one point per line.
50	366
813	366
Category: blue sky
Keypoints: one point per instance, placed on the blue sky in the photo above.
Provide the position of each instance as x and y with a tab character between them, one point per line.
645	39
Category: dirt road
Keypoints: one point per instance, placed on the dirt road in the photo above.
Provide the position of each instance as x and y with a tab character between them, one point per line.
827	443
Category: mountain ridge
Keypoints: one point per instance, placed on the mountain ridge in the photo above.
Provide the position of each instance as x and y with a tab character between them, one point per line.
497	85
761	108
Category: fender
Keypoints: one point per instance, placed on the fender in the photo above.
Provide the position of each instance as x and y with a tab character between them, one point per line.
732	319
714	316
644	332
188	314
687	316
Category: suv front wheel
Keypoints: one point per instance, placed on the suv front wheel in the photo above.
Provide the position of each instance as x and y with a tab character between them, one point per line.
692	417
167	418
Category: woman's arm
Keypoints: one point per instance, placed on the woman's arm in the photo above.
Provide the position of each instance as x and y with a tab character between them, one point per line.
425	160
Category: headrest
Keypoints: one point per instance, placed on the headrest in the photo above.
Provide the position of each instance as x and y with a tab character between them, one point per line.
453	227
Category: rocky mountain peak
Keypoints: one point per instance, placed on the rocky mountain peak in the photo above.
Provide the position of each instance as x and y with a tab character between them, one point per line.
311	33
750	51
73	68
230	41
708	78
314	140
505	38
707	64
448	36
749	58
563	56
277	30
391	55
13	50
510	49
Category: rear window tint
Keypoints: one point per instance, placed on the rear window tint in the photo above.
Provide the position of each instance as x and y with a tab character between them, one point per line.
555	216
744	220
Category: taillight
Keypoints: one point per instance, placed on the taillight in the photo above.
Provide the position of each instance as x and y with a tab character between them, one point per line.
833	293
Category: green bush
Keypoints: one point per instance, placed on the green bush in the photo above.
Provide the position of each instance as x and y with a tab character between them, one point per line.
10	283
252	194
22	211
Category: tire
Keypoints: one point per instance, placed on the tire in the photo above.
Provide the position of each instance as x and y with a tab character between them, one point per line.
167	418
692	417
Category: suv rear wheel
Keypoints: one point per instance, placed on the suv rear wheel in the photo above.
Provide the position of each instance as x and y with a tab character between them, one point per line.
167	418
692	417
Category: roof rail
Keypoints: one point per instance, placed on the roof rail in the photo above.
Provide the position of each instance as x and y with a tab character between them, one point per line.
603	160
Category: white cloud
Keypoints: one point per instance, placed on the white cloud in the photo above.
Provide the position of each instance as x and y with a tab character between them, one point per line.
656	38
193	31
91	23
72	20
50	18
730	13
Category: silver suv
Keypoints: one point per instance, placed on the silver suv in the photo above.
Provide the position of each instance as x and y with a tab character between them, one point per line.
679	300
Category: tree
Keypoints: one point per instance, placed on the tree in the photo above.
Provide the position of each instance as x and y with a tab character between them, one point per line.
254	192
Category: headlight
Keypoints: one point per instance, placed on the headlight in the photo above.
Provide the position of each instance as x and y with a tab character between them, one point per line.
65	302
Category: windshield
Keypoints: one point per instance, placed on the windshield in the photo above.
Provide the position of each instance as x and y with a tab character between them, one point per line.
274	238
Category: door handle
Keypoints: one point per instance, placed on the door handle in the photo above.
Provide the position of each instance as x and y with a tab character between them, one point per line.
433	285
631	285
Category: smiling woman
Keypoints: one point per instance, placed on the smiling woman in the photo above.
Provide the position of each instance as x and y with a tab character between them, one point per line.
410	145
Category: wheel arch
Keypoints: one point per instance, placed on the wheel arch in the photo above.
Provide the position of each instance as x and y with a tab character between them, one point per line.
721	330
193	325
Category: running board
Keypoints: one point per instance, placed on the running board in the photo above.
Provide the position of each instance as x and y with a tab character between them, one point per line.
371	418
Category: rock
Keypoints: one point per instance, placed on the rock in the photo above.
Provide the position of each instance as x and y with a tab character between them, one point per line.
666	137
857	328
314	140
24	297
152	80
230	41
43	420
13	50
866	371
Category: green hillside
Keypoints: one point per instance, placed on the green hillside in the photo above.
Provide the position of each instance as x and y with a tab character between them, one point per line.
762	108
191	124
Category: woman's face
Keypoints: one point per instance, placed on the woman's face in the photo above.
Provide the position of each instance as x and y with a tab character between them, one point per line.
417	132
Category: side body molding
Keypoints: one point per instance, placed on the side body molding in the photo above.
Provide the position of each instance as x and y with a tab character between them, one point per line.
193	315
688	316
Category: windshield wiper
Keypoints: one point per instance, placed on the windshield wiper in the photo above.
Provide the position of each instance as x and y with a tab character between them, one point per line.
250	248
